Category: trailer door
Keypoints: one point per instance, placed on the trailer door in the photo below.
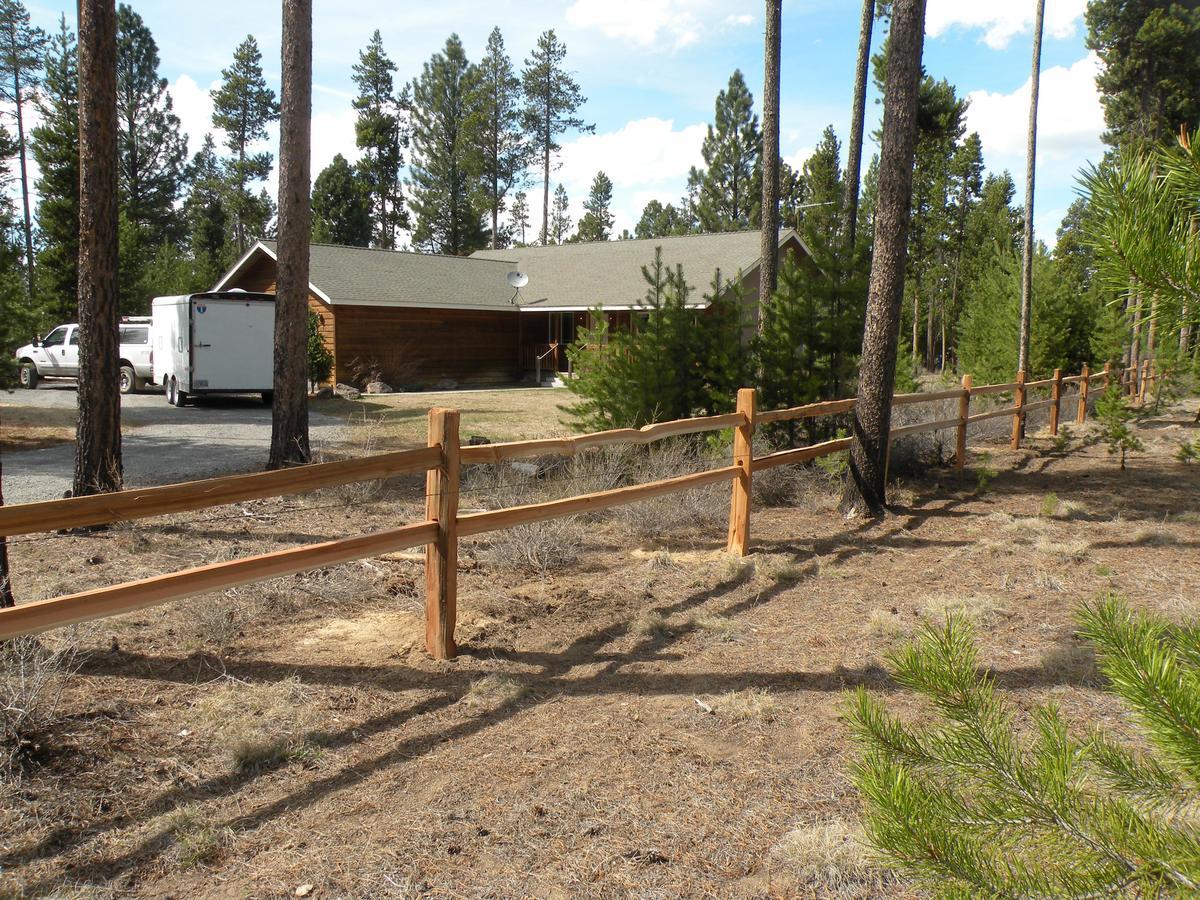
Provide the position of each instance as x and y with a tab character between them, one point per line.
233	344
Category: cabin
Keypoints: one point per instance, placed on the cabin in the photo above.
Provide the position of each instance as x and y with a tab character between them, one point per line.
422	319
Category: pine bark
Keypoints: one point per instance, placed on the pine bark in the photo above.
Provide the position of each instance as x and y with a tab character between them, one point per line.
768	271
1030	162
27	221
866	487
858	124
6	592
98	429
289	409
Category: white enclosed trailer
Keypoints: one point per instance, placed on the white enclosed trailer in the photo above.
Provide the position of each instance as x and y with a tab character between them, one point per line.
215	343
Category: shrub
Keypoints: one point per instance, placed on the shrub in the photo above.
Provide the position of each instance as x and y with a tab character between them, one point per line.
320	360
33	675
972	807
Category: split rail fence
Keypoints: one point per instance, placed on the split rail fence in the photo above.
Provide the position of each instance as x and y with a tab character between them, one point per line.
442	461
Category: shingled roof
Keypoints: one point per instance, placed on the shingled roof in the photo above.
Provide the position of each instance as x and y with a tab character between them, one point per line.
565	277
609	273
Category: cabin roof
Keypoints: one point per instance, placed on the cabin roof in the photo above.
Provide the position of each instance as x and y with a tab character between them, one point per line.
561	277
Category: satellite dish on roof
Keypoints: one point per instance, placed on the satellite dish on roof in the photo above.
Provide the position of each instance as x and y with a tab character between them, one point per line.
517	280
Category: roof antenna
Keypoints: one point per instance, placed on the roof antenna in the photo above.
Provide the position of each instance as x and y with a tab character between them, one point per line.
516	281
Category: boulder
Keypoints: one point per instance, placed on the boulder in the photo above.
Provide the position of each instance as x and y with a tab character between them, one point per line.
324	393
478	440
379	387
347	391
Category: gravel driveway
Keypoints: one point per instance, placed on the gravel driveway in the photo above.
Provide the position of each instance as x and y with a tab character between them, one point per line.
160	444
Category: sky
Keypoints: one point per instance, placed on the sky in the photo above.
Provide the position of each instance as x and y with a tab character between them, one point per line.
651	70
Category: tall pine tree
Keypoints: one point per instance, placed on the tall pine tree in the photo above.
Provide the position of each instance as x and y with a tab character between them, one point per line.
243	107
341	208
381	133
552	100
445	164
205	215
728	190
152	154
504	148
560	217
55	145
518	216
22	48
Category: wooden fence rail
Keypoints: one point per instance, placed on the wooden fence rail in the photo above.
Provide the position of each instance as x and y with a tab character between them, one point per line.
442	461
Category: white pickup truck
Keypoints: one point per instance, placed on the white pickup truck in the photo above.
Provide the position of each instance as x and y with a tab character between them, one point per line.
57	355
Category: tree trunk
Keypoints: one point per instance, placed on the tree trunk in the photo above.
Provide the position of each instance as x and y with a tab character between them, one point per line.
866	486
1135	344
916	343
6	591
930	349
19	102
289	411
857	125
546	193
98	429
768	271
1030	161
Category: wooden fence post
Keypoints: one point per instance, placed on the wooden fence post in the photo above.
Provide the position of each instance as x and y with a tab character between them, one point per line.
1085	381
964	410
1055	401
441	557
1144	383
743	458
1019	415
1107	376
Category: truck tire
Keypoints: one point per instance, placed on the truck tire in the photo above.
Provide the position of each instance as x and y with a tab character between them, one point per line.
29	376
128	380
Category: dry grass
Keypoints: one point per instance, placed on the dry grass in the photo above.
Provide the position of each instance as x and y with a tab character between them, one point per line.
1153	537
1072	663
750	705
884	623
34	427
34	672
719	627
198	840
979	609
514	414
650	623
495	690
1070	550
254	726
832	855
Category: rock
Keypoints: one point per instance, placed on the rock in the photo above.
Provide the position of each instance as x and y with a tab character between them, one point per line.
478	440
347	391
324	393
446	384
379	387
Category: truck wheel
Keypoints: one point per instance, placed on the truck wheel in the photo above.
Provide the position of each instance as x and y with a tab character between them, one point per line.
128	380
175	396
29	376
268	397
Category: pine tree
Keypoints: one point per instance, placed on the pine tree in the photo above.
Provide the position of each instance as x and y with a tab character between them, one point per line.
243	106
560	218
552	99
768	254
660	221
1150	78
445	164
381	134
504	149
728	190
824	189
341	211
153	153
1027	249
518	216
22	52
597	221
204	214
55	146
974	804
1113	414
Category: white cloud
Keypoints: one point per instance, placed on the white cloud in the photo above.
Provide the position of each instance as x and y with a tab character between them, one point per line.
646	159
669	24
193	104
1070	117
1002	21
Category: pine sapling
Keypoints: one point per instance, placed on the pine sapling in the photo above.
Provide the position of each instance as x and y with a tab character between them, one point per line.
1114	415
973	805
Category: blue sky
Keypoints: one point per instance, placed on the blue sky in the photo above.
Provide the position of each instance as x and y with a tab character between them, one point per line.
651	70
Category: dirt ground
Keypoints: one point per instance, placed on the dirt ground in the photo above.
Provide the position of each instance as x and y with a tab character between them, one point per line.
633	713
31	428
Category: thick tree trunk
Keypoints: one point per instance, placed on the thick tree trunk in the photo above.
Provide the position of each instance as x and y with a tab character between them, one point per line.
289	411
768	272
866	485
98	430
6	591
19	102
1030	161
857	124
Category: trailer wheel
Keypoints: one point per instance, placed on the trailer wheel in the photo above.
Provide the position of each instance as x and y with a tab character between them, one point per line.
169	390
28	376
128	380
175	396
268	398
